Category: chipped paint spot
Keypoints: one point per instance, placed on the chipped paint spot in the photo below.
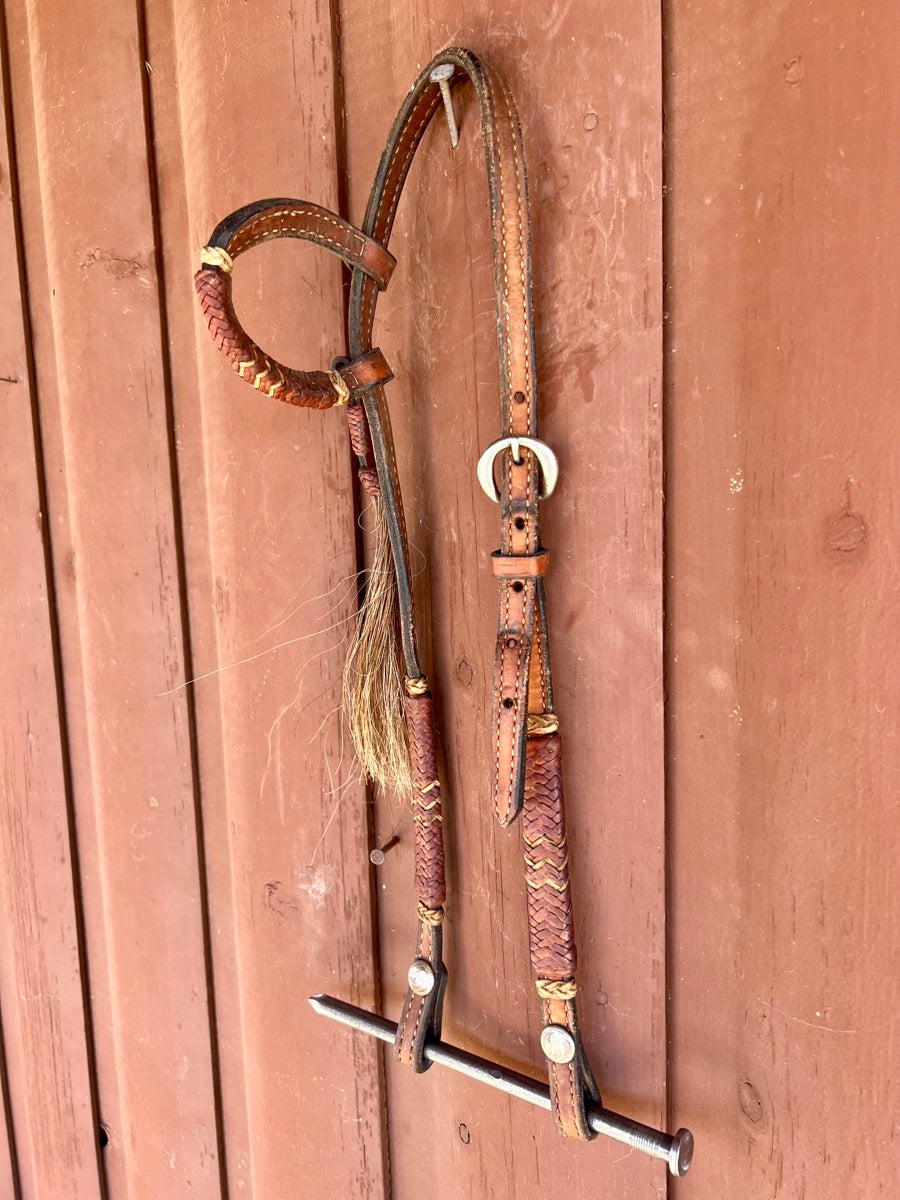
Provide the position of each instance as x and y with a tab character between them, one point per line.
316	882
719	680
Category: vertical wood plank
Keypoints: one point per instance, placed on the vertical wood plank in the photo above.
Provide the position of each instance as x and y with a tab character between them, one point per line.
46	1082
270	542
89	237
782	519
587	83
9	1180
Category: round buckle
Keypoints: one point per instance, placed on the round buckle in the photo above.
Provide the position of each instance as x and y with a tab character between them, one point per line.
546	458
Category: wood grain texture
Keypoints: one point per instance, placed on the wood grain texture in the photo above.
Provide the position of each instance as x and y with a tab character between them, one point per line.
52	1146
198	531
267	496
782	522
587	85
95	307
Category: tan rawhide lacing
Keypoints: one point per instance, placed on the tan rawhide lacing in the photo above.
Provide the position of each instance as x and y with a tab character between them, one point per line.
556	989
215	256
541	723
431	916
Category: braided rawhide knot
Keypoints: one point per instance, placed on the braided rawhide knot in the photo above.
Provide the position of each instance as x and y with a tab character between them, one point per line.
431	916
215	256
368	478
556	989
540	724
340	386
417	687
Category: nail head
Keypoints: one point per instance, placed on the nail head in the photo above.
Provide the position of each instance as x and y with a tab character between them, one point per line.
682	1153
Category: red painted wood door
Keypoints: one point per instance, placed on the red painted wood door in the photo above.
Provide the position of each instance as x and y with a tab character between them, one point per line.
184	836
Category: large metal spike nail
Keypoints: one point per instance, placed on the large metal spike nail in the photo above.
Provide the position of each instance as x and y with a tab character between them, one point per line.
675	1149
441	75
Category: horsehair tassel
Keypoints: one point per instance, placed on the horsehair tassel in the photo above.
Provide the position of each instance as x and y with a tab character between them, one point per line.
373	674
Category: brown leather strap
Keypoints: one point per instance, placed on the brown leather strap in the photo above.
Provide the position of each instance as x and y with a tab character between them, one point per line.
571	1083
520	532
512	662
522	686
421	1016
526	772
266	219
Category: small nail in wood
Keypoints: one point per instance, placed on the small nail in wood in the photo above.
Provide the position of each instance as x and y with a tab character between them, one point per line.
376	856
441	75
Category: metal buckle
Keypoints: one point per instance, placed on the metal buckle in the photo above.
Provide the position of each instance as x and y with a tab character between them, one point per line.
541	451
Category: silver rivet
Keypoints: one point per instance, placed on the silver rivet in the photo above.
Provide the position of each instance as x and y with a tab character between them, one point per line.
557	1043
420	977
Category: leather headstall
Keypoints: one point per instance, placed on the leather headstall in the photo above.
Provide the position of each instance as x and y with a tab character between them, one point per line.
526	775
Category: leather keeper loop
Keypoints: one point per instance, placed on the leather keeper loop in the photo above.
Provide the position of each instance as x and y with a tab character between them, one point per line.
368	371
520	566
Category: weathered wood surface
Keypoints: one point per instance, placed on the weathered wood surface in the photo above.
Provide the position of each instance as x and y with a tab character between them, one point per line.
191	530
95	306
48	1145
270	553
592	141
265	782
782	124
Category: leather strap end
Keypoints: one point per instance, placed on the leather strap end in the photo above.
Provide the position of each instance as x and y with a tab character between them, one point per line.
421	1016
512	663
572	1084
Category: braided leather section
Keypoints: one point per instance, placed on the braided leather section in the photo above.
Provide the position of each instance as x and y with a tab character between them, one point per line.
359	431
426	801
550	920
306	389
